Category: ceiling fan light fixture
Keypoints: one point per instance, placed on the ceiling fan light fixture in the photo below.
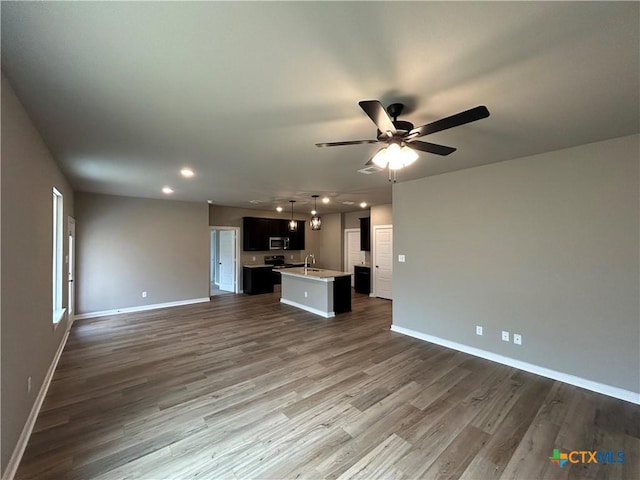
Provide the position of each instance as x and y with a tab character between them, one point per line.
395	157
408	155
380	158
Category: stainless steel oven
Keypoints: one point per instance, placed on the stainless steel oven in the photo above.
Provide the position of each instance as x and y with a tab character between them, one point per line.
278	243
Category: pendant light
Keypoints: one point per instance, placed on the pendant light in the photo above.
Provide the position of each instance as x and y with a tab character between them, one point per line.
293	225
316	223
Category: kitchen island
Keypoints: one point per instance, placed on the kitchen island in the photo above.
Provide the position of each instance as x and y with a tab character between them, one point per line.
323	292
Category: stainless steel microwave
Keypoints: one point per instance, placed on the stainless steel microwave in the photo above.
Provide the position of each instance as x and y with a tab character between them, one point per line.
278	243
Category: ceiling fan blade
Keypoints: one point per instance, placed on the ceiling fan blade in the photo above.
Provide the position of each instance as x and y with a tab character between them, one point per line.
431	147
377	113
456	120
338	144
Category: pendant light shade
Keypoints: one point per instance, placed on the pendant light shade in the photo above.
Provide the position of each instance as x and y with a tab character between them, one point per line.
316	222
293	225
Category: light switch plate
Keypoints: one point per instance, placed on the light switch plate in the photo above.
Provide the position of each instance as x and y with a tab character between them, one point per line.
401	258
505	336
517	339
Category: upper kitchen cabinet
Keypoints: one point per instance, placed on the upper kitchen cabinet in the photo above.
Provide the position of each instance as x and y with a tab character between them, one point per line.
296	239
278	227
365	234
255	233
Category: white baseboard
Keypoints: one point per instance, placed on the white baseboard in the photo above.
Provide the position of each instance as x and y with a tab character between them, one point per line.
141	308
622	394
308	309
18	451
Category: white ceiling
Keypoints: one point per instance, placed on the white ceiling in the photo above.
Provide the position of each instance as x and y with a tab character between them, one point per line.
125	94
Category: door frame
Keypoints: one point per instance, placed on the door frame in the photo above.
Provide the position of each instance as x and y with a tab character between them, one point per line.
71	267
236	259
373	258
345	260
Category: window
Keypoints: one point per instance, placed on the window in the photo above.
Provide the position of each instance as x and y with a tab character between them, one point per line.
57	256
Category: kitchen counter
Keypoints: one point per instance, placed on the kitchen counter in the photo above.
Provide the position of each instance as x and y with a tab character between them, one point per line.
319	274
320	291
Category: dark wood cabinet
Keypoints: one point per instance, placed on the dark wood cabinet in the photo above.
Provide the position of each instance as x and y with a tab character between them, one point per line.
257	280
278	227
362	279
255	234
342	294
296	239
365	234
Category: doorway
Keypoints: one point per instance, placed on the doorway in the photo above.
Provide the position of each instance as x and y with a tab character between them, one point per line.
71	267
352	253
383	261
224	264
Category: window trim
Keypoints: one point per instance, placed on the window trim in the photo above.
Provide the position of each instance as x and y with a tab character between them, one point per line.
57	262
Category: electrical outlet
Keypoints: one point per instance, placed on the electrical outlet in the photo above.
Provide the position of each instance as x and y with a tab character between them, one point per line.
478	330
144	294
28	384
253	259
517	339
306	294
291	257
401	258
505	336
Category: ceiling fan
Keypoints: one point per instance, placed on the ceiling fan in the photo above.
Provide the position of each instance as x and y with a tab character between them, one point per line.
401	136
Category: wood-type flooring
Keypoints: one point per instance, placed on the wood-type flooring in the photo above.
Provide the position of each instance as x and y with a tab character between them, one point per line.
244	387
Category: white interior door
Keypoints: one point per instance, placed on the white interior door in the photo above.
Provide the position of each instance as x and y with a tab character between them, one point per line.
214	261
383	260
71	268
226	260
354	256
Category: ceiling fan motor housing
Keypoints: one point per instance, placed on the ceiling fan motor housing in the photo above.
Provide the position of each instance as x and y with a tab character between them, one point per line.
402	128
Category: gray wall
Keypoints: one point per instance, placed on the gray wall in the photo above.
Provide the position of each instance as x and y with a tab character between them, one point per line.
352	219
381	215
130	245
545	246
327	246
29	341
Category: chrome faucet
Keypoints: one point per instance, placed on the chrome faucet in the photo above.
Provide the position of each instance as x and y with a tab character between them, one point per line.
306	263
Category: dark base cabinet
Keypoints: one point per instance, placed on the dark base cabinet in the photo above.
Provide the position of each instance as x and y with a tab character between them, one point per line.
342	295
362	279
257	280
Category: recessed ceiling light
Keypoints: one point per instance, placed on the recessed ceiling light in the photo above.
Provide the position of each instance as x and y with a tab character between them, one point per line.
187	172
167	190
279	209
325	200
363	204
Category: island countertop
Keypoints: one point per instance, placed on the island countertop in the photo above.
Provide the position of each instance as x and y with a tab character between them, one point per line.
319	274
